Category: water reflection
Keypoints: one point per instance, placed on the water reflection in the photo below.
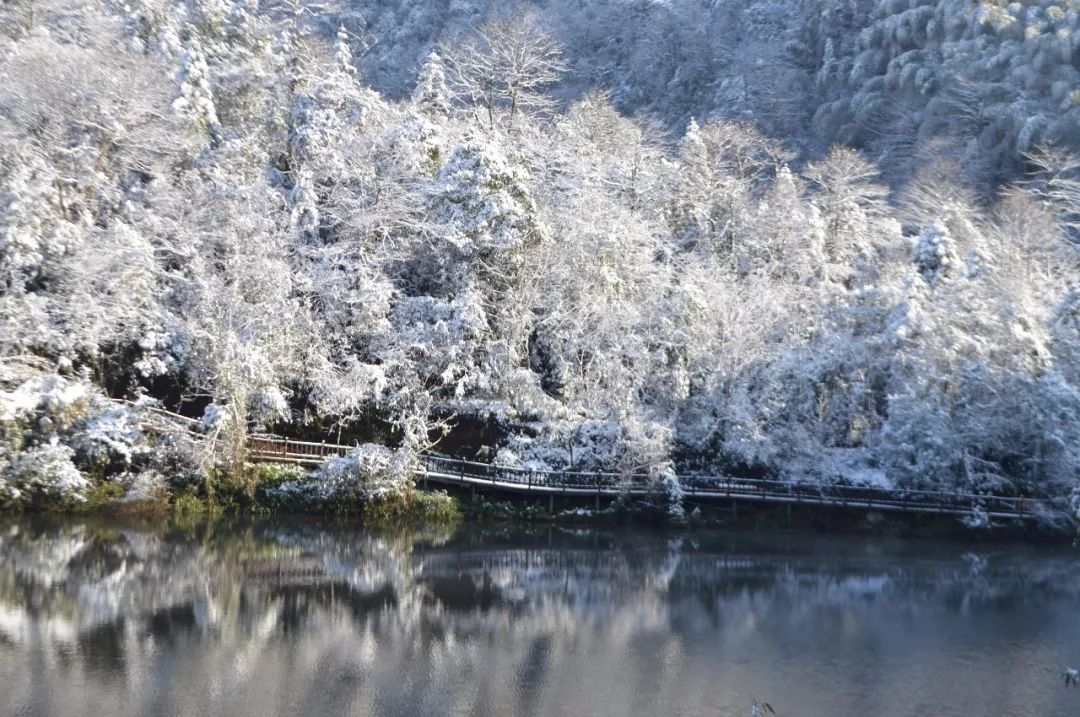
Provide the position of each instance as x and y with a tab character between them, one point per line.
298	617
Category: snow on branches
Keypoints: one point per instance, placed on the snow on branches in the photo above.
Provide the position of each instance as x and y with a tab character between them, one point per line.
316	238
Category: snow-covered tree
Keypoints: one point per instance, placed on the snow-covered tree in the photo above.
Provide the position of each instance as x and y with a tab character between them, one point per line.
304	216
723	164
504	69
487	225
194	97
1058	184
385	244
431	96
935	253
851	201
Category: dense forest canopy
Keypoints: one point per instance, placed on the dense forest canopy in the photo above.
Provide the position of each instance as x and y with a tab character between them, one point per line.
832	240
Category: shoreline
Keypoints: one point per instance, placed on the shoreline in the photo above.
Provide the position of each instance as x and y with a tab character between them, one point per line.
424	509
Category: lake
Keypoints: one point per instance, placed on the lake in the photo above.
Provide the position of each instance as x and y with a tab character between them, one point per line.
305	617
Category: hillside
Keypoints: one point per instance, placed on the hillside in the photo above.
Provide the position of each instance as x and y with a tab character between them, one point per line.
834	241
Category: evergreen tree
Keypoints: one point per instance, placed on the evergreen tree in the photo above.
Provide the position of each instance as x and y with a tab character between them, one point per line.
304	215
195	99
431	96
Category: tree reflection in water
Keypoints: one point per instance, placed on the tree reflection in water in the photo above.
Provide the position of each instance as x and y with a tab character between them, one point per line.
301	617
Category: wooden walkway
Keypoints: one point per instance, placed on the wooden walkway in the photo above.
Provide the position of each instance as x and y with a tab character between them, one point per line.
487	477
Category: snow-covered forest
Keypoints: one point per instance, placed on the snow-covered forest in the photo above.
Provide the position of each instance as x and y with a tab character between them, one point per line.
832	240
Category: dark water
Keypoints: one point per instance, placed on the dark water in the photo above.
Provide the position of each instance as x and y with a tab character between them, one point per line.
302	618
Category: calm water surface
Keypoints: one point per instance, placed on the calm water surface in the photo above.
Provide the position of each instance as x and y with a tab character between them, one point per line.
292	617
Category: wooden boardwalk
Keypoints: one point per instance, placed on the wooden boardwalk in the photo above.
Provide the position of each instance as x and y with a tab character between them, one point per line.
445	470
487	477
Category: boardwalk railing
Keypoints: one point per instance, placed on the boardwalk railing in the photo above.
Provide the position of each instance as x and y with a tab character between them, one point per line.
262	447
455	471
452	470
486	476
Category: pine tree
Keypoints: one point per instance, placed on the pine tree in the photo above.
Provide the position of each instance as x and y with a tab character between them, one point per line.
195	99
935	253
431	97
304	213
343	53
787	237
722	163
482	204
482	201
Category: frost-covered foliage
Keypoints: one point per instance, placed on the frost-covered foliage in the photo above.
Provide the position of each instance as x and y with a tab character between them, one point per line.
41	474
482	201
671	496
50	397
992	79
632	446
111	433
431	95
368	473
321	221
60	436
935	256
195	99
